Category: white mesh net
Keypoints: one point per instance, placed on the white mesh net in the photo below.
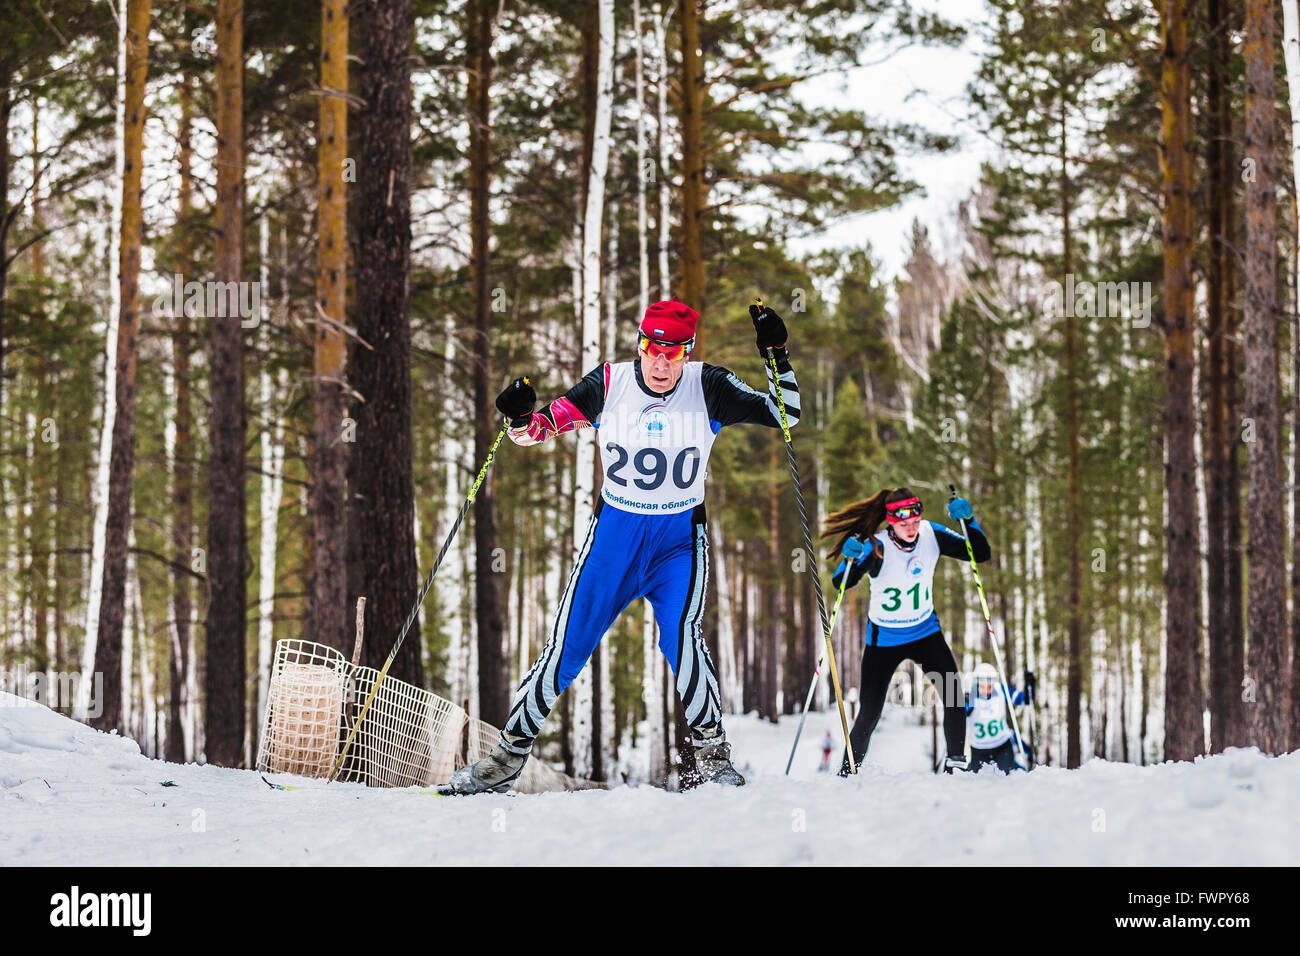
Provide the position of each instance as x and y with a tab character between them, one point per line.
409	737
304	706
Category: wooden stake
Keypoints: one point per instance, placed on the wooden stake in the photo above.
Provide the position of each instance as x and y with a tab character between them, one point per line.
361	627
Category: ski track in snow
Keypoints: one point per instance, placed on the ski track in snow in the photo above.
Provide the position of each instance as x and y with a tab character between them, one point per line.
70	795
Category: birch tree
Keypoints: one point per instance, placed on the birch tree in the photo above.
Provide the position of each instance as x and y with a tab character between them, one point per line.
106	421
591	285
181	454
1291	48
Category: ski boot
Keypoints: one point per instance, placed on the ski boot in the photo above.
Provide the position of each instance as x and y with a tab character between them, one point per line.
495	773
958	762
713	759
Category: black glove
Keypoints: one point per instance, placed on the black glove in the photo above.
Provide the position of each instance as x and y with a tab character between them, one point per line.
517	401
769	327
1031	686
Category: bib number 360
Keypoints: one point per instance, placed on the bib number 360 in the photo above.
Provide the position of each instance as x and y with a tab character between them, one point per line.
651	466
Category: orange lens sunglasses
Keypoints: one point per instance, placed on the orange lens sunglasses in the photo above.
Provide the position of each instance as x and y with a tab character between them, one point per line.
673	351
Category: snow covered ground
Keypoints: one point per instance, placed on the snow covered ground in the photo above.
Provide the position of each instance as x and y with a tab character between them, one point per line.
70	795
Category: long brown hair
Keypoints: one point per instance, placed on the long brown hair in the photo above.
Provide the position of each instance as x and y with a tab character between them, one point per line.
862	518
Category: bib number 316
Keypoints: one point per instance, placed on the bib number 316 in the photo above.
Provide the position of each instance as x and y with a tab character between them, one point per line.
651	467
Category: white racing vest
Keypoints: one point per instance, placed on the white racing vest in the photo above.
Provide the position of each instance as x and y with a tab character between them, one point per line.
900	593
654	449
988	720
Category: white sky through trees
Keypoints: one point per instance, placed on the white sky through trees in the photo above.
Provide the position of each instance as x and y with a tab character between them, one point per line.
925	85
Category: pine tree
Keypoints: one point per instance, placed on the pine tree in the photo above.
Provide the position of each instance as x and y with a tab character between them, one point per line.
1266	607
108	650
1184	699
224	684
328	501
382	565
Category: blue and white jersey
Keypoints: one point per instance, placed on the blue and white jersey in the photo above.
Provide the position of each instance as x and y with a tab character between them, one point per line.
987	716
900	591
902	609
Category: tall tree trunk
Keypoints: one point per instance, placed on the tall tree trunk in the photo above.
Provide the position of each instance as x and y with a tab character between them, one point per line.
1121	650
1291	19
1266	608
494	700
1074	514
83	706
722	567
1221	437
272	478
42	547
328	610
384	567
1237	726
661	144
652	695
6	217
1184	699
1229	243
592	231
652	690
1293	728
182	452
748	682
775	629
108	649
642	228
694	189
224	681
450	584
6	108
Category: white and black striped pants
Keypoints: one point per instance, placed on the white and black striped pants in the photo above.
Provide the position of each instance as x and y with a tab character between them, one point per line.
626	556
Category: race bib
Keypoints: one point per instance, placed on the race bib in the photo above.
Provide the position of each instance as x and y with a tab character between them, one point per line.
900	593
654	450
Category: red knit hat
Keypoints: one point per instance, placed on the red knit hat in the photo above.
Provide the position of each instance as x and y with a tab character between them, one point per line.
670	321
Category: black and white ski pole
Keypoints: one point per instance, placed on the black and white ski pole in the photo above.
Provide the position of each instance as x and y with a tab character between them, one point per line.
988	621
410	618
807	540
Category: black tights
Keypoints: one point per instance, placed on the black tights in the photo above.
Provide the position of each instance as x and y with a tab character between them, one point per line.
934	657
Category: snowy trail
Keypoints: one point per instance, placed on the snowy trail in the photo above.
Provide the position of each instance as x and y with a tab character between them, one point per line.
70	795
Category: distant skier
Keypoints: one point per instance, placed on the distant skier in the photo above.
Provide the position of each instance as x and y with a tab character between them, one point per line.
902	624
828	745
648	535
992	737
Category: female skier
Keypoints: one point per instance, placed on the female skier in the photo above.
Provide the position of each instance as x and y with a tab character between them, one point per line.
648	535
992	737
902	624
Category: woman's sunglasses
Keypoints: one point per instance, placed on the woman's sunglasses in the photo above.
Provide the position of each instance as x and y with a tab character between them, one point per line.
903	513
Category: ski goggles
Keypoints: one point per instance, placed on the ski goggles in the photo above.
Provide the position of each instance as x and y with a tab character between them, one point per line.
902	510
672	351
